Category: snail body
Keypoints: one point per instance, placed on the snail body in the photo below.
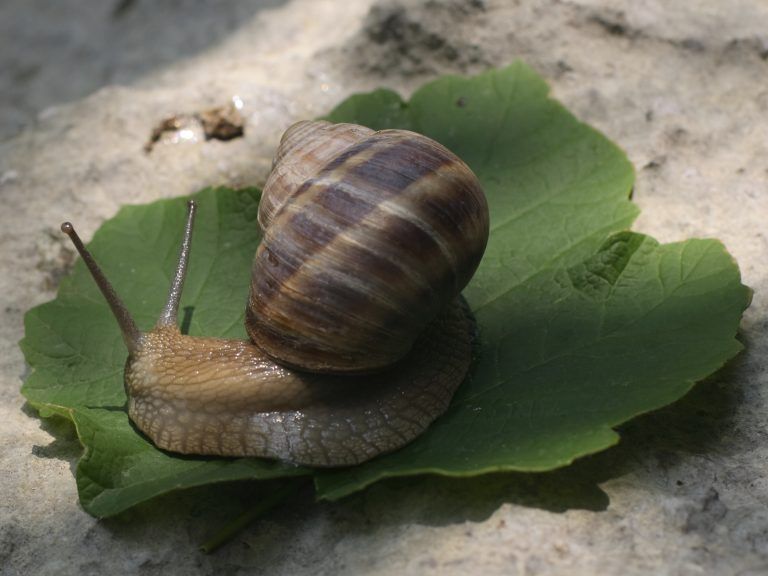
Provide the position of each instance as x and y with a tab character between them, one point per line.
359	335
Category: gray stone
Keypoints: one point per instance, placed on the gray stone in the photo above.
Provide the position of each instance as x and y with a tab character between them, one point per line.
681	87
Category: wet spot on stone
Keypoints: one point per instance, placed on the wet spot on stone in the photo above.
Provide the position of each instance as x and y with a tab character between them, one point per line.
174	129
221	123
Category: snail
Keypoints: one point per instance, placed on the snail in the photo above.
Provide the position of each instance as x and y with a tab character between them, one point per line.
359	335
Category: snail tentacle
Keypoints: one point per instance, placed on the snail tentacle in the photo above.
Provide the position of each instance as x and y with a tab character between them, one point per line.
130	331
169	315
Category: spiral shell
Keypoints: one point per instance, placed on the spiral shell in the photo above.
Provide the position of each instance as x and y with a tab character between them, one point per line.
368	236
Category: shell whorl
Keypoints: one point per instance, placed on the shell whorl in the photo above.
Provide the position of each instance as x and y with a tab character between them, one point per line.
304	149
364	245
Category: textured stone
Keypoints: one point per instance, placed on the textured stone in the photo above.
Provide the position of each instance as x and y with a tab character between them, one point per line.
682	88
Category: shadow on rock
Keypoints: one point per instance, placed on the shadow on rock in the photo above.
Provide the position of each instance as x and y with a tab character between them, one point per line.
697	424
118	44
65	445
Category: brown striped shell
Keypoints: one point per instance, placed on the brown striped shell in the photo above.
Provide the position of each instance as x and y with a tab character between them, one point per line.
367	237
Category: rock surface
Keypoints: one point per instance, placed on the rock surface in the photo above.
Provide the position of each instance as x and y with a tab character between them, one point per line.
682	88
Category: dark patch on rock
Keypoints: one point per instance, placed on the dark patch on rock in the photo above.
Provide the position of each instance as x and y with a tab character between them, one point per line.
55	258
221	123
693	45
611	24
168	126
614	23
676	135
563	68
11	534
755	46
708	515
411	38
655	163
122	7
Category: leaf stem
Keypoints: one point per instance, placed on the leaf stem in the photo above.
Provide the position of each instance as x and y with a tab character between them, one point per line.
229	530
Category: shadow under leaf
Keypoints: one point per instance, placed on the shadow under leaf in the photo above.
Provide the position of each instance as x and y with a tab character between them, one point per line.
700	423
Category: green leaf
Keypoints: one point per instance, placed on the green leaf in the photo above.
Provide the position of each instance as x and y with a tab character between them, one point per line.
582	325
121	468
573	352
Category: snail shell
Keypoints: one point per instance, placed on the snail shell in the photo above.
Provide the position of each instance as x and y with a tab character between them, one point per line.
368	239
